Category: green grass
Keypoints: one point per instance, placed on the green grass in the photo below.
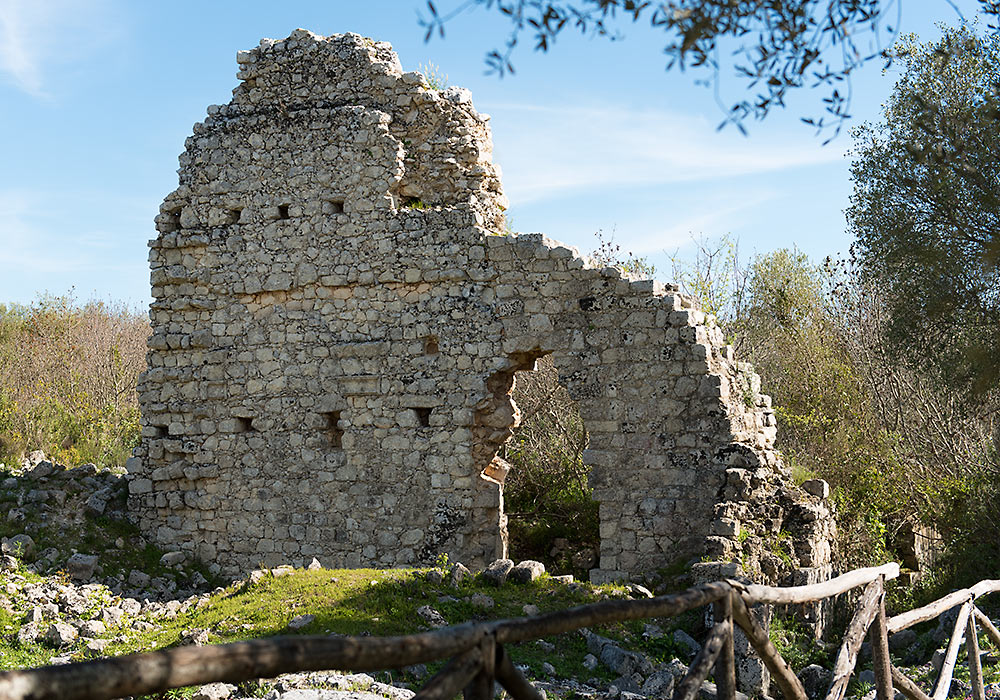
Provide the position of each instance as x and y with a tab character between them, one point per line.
796	644
365	602
361	602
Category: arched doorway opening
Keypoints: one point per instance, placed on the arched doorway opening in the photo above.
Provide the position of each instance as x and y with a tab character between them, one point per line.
552	516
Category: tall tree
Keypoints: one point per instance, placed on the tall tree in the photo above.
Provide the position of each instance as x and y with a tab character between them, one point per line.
926	205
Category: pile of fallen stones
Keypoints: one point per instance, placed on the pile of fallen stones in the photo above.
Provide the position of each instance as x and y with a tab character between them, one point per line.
43	496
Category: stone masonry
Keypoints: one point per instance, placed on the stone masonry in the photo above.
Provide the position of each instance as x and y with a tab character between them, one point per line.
337	320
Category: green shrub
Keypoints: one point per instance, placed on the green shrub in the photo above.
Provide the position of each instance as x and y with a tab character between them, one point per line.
68	374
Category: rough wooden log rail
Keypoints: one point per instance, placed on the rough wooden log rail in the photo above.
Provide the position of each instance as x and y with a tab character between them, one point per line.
479	658
965	626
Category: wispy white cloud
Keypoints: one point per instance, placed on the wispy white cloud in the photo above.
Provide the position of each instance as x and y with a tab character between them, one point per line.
549	151
15	59
718	214
37	36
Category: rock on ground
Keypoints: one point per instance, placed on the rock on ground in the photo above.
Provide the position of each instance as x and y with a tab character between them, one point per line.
431	616
815	680
81	567
60	634
659	685
214	691
498	571
300	621
526	571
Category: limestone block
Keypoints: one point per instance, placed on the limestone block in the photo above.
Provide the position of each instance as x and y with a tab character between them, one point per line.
81	567
526	571
817	487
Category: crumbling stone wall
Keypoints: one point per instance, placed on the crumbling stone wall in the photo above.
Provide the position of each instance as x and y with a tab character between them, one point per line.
337	320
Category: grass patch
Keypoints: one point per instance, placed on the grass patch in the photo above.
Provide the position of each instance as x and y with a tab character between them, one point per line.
796	644
357	602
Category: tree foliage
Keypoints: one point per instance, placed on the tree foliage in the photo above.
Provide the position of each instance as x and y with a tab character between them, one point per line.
895	442
773	46
926	206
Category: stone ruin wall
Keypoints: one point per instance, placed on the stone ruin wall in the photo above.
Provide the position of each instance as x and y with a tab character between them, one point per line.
337	321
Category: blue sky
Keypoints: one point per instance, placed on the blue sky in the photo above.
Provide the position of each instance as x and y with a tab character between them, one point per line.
97	97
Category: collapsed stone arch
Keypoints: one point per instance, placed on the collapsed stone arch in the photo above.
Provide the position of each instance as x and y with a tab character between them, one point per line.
337	320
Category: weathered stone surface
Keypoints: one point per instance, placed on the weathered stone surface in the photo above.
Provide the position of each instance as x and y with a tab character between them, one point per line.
60	634
214	691
459	573
173	558
621	661
139	579
686	642
300	621
96	646
626	685
81	567
112	615
659	685
336	303
98	501
29	633
637	591
902	640
526	571
815	679
817	487
315	694
91	628
431	616
498	571
19	546
482	601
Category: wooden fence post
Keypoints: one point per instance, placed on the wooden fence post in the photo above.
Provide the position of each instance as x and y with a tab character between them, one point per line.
725	665
975	668
878	636
988	626
951	655
788	682
512	680
451	679
481	685
906	686
847	657
689	686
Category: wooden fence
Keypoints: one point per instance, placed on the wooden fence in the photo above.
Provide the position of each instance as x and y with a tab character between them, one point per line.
479	657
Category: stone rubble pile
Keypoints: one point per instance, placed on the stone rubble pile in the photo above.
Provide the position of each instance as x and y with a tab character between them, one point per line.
44	499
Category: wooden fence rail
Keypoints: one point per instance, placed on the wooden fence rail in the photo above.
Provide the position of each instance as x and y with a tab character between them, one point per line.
479	657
